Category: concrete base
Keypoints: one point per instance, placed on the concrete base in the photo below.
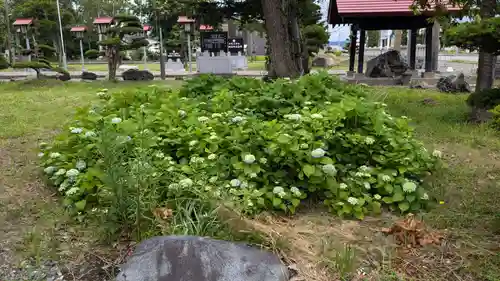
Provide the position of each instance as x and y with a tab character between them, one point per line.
350	73
429	75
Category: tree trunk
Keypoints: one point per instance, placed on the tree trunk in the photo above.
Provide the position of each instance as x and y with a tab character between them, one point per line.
305	59
283	62
113	57
486	63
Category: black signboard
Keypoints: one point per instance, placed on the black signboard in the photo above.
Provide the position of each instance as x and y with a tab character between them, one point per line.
213	41
173	55
235	45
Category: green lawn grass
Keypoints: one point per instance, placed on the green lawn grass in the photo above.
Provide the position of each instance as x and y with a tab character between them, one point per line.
33	111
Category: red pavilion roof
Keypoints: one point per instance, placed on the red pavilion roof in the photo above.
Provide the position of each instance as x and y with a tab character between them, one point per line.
354	8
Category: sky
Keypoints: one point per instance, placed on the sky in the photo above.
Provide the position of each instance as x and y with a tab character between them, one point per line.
339	33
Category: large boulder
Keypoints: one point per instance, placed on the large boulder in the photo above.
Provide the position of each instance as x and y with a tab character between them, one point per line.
89	76
181	258
323	61
453	84
137	75
65	76
388	64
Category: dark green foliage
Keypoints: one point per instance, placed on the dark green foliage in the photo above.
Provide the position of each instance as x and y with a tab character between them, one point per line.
46	51
475	35
4	64
485	99
92	54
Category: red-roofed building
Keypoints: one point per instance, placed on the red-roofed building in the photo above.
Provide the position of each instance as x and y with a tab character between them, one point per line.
365	15
103	20
19	22
205	27
78	29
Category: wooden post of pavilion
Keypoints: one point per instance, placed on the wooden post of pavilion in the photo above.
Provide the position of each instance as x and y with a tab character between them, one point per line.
428	49
352	48
413	48
361	56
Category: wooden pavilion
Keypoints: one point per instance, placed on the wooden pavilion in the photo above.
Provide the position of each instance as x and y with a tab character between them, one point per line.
365	15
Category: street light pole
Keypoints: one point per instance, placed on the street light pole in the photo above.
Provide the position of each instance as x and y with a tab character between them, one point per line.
65	65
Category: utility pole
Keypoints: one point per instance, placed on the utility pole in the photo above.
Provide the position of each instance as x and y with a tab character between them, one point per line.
63	51
7	23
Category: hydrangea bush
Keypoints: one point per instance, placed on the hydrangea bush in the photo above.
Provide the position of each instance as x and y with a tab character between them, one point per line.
262	145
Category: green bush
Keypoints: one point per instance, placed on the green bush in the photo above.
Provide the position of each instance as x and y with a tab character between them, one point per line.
260	146
485	99
92	54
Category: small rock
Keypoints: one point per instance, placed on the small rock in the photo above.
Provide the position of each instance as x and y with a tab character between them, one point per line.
179	258
453	84
89	76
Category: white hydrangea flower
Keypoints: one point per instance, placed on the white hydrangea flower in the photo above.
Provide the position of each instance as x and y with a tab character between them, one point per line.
318	153
244	184
185	183
317	116
173	186
72	191
253	175
90	134
116	120
214	137
80	165
343	186
181	113
386	178
237	119
327	103
235	182
60	172
193	143
216	115
72	173
203	119
249	159
76	130
50	170
307	103
409	187
425	196
294	117
212	156
340	203
41	154
369	140
364	168
437	153
353	201
278	190
367	185
377	197
306	107
329	169
55	155
159	154
295	191
304	146
263	160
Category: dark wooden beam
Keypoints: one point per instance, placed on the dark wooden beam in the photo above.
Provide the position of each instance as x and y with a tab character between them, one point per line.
413	49
352	47
361	57
428	49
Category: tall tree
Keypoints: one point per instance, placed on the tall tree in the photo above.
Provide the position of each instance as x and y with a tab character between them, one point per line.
373	38
126	33
487	9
